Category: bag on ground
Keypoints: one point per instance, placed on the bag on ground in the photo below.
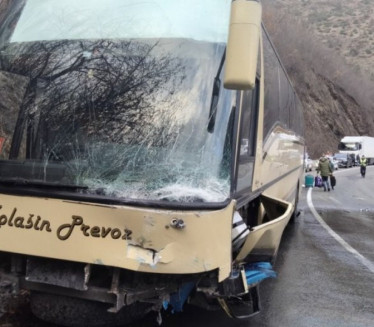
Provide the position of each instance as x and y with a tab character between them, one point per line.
318	181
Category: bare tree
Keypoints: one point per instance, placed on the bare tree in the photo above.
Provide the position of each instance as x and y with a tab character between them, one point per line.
107	86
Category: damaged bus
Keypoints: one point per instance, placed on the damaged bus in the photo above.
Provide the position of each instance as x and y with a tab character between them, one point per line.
151	155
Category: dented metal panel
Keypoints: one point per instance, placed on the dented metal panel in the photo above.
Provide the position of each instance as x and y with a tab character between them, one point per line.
265	238
132	238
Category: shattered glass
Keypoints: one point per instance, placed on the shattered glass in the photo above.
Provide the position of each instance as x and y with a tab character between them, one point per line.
117	117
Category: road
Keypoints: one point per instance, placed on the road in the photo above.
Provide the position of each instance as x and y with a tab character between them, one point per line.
325	266
323	279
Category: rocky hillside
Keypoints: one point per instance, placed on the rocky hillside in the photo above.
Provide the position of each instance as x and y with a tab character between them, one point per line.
346	26
327	48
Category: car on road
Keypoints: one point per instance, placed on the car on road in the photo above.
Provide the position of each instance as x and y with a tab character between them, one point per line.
345	160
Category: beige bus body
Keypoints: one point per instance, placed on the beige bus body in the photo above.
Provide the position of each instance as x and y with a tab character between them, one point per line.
139	239
173	241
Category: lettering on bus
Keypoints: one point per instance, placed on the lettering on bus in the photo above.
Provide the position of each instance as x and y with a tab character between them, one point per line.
32	222
64	231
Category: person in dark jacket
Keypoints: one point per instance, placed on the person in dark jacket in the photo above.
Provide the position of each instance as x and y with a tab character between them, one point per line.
324	168
363	163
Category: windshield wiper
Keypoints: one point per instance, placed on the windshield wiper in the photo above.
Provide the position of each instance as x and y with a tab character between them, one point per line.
27	182
215	96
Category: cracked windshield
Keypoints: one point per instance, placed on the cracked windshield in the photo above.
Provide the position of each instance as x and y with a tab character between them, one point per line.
121	99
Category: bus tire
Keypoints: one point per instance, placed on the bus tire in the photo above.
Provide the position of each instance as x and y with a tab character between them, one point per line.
74	312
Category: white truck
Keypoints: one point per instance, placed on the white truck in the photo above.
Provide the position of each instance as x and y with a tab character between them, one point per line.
359	146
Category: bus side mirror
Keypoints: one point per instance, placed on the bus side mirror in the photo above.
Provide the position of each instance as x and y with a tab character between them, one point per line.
243	45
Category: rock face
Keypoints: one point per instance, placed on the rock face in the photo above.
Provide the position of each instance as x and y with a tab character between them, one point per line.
329	114
343	25
336	96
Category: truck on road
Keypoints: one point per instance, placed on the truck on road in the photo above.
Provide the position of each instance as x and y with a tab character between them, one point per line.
359	146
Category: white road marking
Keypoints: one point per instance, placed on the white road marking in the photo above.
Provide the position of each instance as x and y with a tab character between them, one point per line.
367	263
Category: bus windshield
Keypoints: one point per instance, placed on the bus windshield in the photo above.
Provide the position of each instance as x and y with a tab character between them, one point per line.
115	97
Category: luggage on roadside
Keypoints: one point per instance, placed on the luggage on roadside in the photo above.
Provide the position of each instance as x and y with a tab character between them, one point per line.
332	180
309	180
318	181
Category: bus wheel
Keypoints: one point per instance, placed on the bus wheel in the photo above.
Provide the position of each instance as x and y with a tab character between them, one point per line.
73	312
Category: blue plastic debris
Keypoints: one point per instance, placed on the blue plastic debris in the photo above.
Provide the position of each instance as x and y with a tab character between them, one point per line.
178	299
258	271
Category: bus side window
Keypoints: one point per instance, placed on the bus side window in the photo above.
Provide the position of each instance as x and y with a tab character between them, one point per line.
272	78
248	132
249	122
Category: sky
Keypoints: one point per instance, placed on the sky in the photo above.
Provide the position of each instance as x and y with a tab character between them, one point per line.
206	20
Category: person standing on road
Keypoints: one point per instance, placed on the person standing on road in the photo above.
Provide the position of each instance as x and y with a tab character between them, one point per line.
324	168
363	163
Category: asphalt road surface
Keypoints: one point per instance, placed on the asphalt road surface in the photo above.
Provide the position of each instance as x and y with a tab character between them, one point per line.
325	267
